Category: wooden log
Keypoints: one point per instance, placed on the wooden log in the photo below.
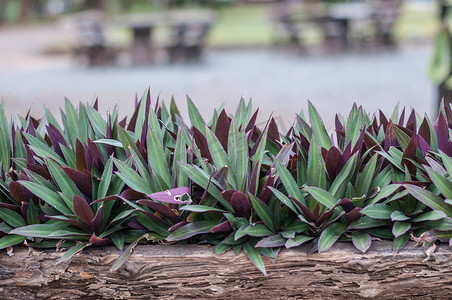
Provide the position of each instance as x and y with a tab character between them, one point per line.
190	271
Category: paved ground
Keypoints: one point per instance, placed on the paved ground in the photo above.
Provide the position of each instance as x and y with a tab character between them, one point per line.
276	80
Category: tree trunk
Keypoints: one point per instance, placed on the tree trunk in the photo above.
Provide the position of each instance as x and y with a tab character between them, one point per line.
443	91
189	271
26	10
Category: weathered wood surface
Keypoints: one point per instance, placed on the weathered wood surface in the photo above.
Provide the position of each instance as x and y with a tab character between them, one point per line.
184	272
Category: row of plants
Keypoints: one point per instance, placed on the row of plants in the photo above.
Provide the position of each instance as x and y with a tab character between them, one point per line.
87	180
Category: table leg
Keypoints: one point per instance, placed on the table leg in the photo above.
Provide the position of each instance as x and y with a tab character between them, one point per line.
142	48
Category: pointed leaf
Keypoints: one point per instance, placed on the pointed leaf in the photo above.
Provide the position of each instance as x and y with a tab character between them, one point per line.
289	182
318	128
297	241
378	211
257	230
191	229
202	209
122	259
433	215
429	199
263	211
255	257
362	241
48	196
71	252
83	209
400	228
172	196
12	218
330	235
272	241
11	240
321	196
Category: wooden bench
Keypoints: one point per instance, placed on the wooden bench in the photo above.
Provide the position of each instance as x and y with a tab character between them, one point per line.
187	41
91	46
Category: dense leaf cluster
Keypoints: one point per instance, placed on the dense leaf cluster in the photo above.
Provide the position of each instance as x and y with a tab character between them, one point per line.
88	180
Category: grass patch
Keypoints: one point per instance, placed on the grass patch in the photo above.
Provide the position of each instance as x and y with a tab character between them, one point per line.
242	26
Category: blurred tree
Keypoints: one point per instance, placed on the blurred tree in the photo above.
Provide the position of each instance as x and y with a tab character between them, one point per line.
3	11
94	4
441	67
26	10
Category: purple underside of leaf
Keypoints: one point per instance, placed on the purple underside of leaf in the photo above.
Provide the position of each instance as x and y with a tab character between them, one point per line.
98	219
31	129
155	218
123	122
345	157
80	159
423	145
239	202
30	157
359	143
306	212
13	207
304	142
177	226
172	195
221	176
16	191
83	209
222	227
273	131
405	130
353	215
410	153
256	145
252	187
201	142
402	118
222	129
332	159
338	123
390	137
40	170
132	195
75	223
96	104
24	209
95	154
135	225
411	122
96	241
266	192
81	179
252	121
424	131
160	208
325	216
443	137
347	205
383	120
88	159
371	143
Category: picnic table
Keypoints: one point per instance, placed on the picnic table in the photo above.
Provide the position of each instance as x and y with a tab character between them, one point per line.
337	21
186	30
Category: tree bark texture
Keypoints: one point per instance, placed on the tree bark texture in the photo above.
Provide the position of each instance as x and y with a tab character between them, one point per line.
189	271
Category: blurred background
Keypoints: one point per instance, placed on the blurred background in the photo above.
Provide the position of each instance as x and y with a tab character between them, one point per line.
280	54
